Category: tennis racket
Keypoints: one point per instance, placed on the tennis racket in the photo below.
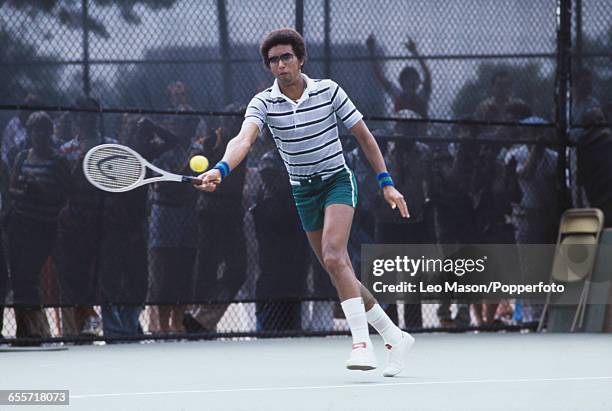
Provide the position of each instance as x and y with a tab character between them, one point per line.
116	168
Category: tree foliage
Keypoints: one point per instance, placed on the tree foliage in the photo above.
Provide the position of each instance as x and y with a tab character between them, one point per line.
69	12
35	77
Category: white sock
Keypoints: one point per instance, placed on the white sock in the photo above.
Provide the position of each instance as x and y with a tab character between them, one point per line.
354	311
381	322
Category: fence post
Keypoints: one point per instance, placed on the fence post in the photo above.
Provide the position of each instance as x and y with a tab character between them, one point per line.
299	16
224	50
562	90
578	48
326	40
85	17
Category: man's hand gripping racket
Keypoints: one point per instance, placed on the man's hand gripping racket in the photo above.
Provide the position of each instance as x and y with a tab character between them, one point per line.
209	180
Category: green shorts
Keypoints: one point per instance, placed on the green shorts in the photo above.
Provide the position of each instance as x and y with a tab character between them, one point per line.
311	198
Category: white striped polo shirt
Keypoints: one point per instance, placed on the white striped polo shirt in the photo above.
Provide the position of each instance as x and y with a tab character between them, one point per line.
306	132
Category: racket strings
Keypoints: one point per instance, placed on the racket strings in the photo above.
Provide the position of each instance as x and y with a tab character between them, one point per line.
114	168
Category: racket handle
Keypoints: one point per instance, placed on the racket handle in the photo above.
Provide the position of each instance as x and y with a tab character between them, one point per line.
191	180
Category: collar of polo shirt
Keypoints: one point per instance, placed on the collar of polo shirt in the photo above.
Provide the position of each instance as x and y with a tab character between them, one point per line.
310	87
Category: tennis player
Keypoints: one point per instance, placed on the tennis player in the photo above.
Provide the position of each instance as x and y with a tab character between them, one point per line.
302	114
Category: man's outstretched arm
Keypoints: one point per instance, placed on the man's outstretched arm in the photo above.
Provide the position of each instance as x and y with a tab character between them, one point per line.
236	151
370	148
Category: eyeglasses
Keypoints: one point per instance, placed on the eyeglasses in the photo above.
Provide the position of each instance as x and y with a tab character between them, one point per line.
286	58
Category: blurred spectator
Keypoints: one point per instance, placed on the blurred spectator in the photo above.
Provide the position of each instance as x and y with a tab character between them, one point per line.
123	252
453	166
495	107
172	232
583	99
15	138
494	189
178	99
409	162
536	216
178	96
221	240
40	183
594	152
412	94
80	227
283	251
63	129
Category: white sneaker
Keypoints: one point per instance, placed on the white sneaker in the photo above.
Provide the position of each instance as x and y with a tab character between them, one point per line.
396	355
362	357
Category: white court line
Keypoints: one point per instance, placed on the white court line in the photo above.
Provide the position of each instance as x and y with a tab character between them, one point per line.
328	387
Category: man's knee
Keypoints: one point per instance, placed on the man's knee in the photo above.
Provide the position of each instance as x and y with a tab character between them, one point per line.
335	260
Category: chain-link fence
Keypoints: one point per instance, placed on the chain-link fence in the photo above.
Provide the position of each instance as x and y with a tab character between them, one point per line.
466	102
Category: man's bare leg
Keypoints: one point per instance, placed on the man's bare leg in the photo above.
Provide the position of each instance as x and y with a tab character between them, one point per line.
336	234
330	245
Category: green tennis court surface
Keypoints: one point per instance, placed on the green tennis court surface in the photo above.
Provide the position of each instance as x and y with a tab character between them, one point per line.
444	372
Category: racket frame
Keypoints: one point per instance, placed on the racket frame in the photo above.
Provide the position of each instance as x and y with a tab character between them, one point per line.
163	175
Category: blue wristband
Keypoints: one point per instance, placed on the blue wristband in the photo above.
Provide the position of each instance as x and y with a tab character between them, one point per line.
384	179
383	175
224	168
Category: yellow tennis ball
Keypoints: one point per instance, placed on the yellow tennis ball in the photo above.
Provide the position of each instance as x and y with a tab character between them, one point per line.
198	164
